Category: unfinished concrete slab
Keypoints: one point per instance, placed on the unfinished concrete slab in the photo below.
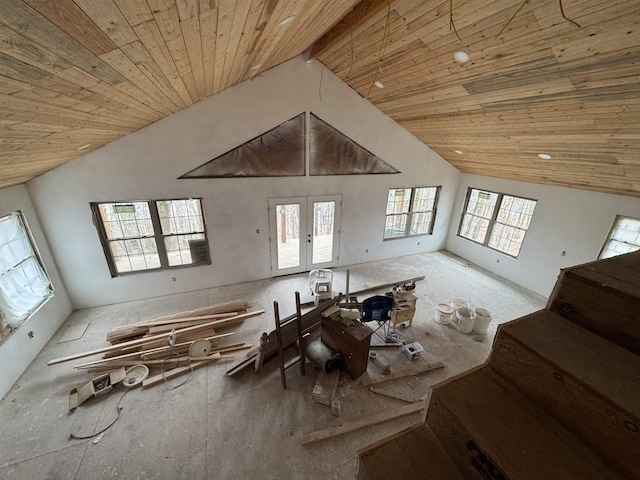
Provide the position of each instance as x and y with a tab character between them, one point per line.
247	426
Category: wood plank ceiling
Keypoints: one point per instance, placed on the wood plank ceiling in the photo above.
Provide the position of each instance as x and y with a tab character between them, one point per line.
86	72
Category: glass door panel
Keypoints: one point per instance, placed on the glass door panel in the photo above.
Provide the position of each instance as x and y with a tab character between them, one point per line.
304	233
288	235
324	215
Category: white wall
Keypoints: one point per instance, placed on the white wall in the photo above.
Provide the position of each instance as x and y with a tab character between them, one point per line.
19	350
565	220
145	165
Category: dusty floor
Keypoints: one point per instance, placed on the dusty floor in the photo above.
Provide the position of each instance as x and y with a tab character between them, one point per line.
215	427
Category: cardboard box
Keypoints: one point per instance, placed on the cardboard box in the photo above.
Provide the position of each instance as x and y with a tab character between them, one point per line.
100	385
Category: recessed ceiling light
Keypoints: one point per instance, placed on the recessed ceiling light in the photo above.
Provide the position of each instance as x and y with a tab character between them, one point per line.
256	66
544	156
286	21
378	84
461	56
84	146
459	152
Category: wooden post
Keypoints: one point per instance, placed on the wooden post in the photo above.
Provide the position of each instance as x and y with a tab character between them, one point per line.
276	312
299	325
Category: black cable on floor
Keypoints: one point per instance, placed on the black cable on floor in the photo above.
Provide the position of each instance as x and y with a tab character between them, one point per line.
85	437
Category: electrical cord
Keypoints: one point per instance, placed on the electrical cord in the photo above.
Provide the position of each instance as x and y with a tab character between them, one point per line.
164	376
85	437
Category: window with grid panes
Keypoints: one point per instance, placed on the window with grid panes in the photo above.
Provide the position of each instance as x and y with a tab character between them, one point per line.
151	235
410	211
624	237
496	220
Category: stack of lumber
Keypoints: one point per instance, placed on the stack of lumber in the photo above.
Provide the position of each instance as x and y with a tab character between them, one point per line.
177	321
165	342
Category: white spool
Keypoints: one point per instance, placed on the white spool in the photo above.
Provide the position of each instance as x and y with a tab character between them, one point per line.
200	348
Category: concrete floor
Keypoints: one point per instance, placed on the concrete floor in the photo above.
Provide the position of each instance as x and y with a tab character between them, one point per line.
246	426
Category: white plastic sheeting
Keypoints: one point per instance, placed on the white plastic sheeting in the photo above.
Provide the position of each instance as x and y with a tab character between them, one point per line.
23	283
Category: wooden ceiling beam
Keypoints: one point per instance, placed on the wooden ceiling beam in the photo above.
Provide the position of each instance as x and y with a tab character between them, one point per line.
356	18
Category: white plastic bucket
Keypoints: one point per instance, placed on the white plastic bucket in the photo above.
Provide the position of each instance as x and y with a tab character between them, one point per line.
465	320
444	312
459	303
483	320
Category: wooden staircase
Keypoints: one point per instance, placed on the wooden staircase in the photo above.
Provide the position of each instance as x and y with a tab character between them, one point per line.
558	398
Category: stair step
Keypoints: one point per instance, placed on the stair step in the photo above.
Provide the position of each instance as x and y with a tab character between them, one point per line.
412	453
604	297
588	384
491	430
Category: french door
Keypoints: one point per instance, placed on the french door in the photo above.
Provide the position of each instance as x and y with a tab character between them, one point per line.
305	233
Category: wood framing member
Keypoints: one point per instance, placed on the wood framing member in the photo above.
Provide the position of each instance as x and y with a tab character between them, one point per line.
362	423
357	17
415	370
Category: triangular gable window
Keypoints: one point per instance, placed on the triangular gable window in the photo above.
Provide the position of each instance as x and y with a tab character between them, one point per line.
276	153
333	153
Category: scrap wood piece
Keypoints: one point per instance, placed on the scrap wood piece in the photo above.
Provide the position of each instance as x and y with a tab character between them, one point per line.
415	370
157	350
200	318
112	348
120	334
159	378
155	353
167	327
156	379
125	332
231	306
186	358
242	365
289	331
152	363
362	423
397	396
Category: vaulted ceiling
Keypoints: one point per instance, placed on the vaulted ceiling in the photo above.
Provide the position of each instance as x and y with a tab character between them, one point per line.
557	77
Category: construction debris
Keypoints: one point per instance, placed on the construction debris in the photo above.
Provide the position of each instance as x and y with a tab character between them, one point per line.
96	387
289	335
415	370
183	342
363	422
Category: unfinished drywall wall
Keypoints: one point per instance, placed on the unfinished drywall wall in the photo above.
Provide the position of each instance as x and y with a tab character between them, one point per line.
567	220
19	349
146	164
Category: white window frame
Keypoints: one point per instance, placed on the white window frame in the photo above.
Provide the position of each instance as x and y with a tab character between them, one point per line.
25	285
155	233
490	218
410	213
624	237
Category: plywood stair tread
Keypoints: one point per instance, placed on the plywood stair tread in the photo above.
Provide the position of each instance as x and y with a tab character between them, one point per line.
481	411
604	297
588	384
607	368
410	454
618	273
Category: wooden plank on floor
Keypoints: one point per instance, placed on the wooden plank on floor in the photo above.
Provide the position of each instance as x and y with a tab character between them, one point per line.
414	370
363	422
